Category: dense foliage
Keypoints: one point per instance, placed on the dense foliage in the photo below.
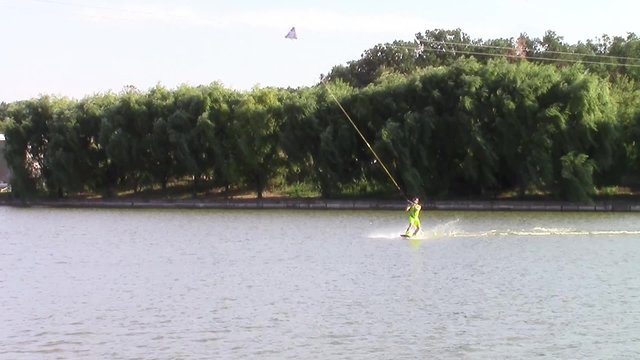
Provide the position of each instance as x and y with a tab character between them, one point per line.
446	124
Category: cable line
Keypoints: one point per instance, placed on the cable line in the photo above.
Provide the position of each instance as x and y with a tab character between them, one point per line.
511	48
536	58
364	139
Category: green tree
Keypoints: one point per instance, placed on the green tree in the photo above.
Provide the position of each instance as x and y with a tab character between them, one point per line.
125	135
65	157
162	165
90	114
398	56
585	115
299	135
224	149
576	181
258	118
25	173
187	141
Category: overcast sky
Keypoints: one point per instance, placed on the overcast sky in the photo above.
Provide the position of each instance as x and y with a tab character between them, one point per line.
82	47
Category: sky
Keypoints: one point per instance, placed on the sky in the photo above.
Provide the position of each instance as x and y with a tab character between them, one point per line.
79	48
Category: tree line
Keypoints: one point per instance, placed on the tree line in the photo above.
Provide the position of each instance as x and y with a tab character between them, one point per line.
612	57
454	125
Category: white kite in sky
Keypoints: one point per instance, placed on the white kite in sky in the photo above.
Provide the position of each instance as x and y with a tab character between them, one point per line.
291	34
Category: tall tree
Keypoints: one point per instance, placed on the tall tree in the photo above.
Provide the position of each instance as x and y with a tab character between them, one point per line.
258	118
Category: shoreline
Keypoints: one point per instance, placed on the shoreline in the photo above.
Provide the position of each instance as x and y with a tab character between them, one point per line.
321	204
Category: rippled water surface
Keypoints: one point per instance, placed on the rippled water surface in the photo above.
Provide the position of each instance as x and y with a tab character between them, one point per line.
209	284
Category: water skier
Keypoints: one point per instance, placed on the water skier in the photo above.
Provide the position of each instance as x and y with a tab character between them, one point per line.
414	216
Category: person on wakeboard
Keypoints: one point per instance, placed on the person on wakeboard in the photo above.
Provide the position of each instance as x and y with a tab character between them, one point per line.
414	216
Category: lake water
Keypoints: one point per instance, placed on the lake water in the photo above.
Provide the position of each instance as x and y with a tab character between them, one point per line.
236	284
